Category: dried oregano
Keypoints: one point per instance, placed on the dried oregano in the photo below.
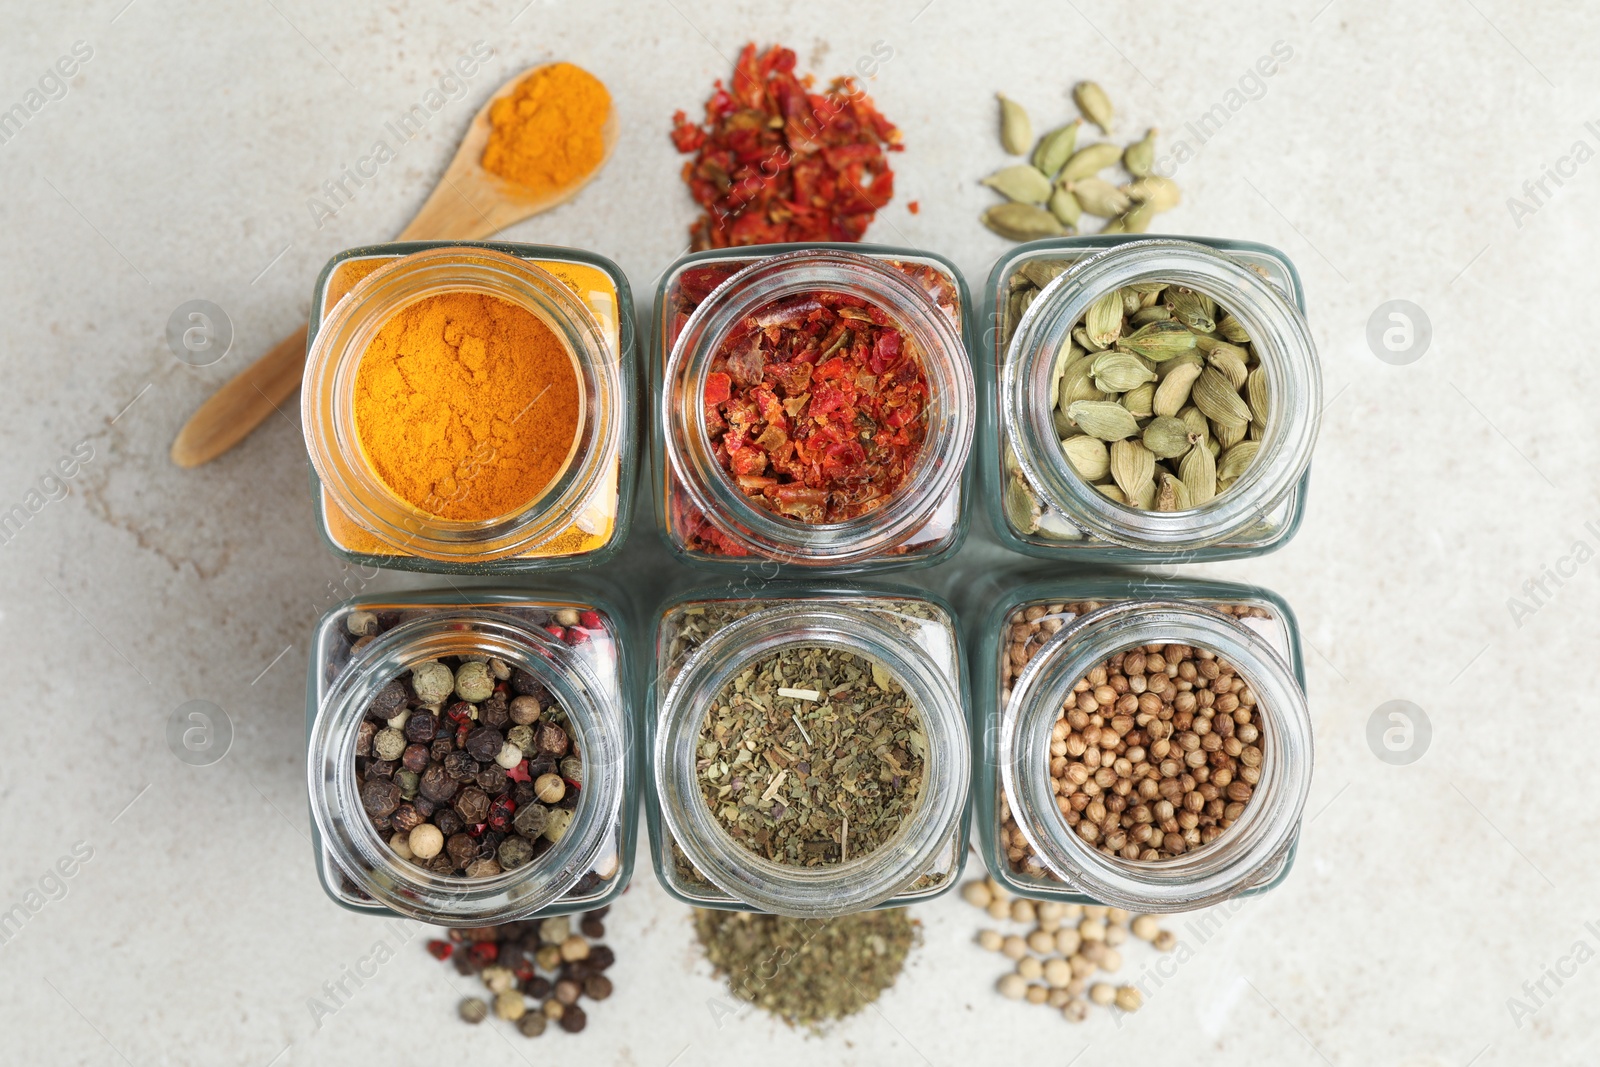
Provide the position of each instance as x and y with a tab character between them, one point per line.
812	755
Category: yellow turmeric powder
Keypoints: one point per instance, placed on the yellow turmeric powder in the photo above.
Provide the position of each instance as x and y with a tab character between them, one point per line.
466	405
547	132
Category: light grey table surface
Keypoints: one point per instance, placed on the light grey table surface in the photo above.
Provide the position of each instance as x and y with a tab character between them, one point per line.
1429	899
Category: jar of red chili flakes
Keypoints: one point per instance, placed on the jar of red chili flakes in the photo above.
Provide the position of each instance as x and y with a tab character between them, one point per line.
815	408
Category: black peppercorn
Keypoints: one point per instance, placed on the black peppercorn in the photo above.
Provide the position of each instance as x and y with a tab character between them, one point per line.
493	780
484	743
472	805
532	1024
539	766
601	957
549	740
461	766
567	992
405	817
415	758
422	727
364	734
436	784
424	806
525	684
379	796
380	823
495	712
463	848
522	793
573	1019
387	701
592	928
600	912
537	987
489	843
441	747
448	821
381	768
531	820
597	987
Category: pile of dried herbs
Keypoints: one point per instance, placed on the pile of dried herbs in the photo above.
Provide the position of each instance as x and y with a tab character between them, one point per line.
807	972
812	755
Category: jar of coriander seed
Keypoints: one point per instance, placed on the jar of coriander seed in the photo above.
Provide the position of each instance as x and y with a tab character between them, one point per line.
468	407
1144	742
810	749
469	757
815	408
1147	400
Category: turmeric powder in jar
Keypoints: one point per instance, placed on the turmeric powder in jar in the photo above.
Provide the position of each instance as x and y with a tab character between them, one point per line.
469	407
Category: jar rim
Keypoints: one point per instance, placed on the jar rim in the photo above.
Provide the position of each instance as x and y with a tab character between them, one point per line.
334	443
1281	338
940	461
355	846
1248	853
856	883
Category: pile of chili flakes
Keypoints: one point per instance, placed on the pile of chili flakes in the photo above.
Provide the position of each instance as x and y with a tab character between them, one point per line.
775	162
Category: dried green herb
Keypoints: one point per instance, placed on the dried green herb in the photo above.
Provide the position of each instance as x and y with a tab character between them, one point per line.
812	755
807	971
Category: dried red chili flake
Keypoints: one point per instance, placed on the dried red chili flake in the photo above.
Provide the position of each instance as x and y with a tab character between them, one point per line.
776	162
440	950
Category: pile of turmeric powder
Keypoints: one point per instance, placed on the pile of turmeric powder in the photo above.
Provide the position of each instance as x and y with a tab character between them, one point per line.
467	405
548	131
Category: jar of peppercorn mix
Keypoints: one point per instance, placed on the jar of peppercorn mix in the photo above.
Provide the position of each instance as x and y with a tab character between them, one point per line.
1176	426
1144	742
815	408
468	408
469	757
809	746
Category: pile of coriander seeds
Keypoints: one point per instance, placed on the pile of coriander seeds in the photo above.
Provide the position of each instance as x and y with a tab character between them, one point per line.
467	766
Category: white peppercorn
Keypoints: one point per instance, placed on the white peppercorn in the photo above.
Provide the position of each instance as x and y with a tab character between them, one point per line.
401	846
1058	998
498	979
509	756
1012	986
361	623
1116	935
1103	993
1092	930
999	910
1129	998
1146	927
1030	967
991	940
1041	942
977	894
510	1005
1057	972
1166	941
426	840
1075	1011
1038	994
1067	940
1014	947
1022	911
1111	960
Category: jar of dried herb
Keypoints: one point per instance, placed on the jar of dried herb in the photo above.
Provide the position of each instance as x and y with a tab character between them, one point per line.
1147	400
809	747
815	408
468	408
489	730
1148	743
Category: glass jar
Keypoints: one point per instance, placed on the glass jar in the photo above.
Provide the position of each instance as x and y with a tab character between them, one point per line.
706	518
1042	636
1036	294
581	518
584	667
708	636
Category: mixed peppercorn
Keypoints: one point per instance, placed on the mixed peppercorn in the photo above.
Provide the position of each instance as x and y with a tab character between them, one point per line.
545	961
775	162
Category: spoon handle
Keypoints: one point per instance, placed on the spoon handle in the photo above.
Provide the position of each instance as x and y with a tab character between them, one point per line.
249	398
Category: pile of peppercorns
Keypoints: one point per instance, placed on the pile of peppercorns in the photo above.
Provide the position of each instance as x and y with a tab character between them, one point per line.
466	765
514	960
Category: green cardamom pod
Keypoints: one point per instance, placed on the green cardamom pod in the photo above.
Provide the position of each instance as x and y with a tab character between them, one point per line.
1117	372
1077	385
1084	341
1139	157
1062	424
1168	438
1160	193
1194	309
1172	495
1173	392
1111	492
1064	206
1159	341
1199	473
1020	182
1236	460
1229	434
1139	399
1064	357
1022	507
1105	419
1137	218
1255	391
1233	330
1145	498
1022	222
1094	103
1131	466
1144	315
1218	400
1130	300
1040	272
1198	424
1088	456
1055	147
1088	161
1208	344
1233	368
1099	197
1115	225
1016	129
1148	290
1103	321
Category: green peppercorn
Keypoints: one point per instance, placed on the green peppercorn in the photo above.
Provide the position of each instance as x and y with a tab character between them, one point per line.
473	1010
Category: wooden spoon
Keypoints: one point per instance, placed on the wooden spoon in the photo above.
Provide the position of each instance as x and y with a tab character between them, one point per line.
468	204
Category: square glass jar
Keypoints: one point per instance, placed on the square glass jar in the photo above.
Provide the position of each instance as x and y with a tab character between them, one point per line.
1044	632
1037	503
704	518
704	636
582	518
586	667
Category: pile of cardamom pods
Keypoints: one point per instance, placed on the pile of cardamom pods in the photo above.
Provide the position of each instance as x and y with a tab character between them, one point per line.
1050	195
1159	399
